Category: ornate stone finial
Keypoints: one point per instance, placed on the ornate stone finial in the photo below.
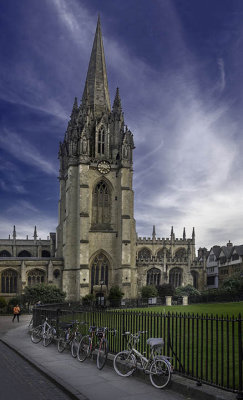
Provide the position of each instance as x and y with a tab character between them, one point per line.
153	233
184	234
193	233
172	231
14	232
35	233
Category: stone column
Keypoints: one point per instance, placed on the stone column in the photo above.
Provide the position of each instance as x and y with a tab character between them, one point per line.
168	300
185	300
50	272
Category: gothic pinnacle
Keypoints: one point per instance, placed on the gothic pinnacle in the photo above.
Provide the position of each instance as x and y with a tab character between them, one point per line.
35	233
117	102
153	233
184	234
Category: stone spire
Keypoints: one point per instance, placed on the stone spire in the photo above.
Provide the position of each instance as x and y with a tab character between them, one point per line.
96	92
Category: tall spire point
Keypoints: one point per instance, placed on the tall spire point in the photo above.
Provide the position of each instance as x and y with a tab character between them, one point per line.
96	92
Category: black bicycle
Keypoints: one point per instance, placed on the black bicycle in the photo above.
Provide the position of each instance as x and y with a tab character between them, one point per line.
95	340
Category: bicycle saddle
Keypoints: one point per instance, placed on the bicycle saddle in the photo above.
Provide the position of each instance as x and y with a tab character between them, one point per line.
155	342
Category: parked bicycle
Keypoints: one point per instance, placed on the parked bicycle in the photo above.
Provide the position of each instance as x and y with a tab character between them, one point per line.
45	331
95	340
157	366
69	337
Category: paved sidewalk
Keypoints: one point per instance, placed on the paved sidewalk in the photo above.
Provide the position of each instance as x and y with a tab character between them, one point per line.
85	382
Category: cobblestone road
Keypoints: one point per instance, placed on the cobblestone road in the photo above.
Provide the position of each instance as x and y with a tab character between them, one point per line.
20	381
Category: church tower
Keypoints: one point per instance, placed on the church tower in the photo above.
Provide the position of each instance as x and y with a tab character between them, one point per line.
96	229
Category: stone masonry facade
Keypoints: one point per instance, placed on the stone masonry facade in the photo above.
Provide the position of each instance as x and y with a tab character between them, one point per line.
96	246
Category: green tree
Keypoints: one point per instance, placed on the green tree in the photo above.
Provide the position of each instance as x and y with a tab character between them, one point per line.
165	290
3	302
188	290
115	296
149	291
44	293
234	283
88	300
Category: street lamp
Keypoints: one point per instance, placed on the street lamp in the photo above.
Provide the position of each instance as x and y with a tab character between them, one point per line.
101	294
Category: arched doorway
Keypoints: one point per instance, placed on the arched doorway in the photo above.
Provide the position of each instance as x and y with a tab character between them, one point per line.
100	277
195	279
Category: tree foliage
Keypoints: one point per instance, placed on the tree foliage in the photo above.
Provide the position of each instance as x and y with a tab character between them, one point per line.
88	300
3	302
115	296
234	283
149	291
188	290
165	290
44	293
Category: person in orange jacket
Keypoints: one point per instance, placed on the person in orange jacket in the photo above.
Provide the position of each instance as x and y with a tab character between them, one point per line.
16	312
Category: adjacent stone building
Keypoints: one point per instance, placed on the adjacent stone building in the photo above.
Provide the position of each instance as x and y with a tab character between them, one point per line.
96	245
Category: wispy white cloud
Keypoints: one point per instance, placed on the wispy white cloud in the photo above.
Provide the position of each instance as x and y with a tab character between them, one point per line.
25	151
222	81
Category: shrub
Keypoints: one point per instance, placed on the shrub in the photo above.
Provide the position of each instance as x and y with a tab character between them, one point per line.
88	300
233	283
3	302
44	293
149	291
165	290
188	290
115	296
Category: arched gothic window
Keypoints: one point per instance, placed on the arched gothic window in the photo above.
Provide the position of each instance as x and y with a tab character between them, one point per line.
195	279
101	210
153	277
99	270
57	273
9	281
5	253
45	253
180	253
144	254
24	253
175	278
160	254
101	142
35	277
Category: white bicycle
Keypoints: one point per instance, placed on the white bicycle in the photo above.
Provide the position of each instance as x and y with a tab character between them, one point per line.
157	366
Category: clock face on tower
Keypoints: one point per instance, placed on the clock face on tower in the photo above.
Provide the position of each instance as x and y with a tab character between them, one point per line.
104	167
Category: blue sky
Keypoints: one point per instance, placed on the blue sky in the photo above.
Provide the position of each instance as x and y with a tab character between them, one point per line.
178	64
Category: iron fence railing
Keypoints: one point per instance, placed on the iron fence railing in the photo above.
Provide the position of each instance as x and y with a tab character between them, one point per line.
206	348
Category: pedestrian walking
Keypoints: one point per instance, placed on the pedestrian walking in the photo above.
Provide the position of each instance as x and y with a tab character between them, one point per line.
16	312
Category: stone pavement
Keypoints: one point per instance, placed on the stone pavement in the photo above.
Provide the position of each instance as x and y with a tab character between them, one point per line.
85	382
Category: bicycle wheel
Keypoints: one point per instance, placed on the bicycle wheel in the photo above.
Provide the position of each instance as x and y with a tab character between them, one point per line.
47	337
36	334
160	373
61	345
102	354
84	348
124	363
74	347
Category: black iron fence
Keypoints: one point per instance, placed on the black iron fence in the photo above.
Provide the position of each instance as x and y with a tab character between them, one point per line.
206	348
